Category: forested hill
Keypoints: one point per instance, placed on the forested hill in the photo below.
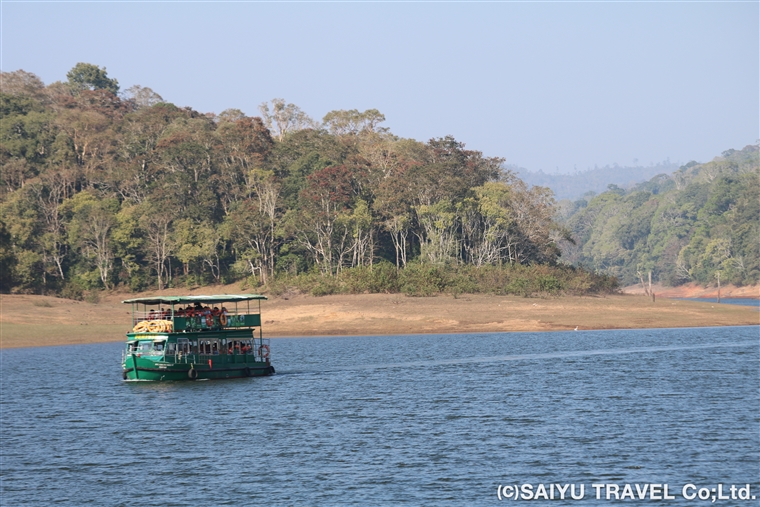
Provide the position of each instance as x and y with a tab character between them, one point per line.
576	185
701	222
102	189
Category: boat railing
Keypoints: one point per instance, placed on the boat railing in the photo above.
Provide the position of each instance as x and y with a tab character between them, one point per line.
210	322
183	358
138	317
201	321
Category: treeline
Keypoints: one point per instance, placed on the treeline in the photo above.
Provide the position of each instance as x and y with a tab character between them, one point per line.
103	190
695	225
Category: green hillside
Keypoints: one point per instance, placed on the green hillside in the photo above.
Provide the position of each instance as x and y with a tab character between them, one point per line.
702	220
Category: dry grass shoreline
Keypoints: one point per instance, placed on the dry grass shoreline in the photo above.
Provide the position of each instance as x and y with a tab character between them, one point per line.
27	321
694	290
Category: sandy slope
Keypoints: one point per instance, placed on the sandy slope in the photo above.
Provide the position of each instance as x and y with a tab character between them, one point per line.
41	320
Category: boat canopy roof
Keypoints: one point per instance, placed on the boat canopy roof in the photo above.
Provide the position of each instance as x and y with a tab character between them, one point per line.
178	300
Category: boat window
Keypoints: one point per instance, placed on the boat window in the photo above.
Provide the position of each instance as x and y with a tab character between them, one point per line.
183	345
208	347
171	348
150	348
235	347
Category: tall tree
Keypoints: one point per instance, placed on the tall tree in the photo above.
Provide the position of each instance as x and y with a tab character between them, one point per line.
156	222
341	122
7	260
50	194
138	136
143	96
243	147
86	76
91	222
283	118
323	228
21	82
486	220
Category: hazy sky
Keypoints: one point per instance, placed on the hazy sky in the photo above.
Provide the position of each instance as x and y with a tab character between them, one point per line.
545	85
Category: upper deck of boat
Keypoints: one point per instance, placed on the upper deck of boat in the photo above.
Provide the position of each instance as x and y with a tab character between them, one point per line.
195	313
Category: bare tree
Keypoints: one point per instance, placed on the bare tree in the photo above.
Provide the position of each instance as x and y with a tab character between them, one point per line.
284	118
143	96
90	230
486	221
20	82
157	226
438	236
49	194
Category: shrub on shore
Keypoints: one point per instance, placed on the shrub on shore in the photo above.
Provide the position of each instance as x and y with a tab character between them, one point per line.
419	279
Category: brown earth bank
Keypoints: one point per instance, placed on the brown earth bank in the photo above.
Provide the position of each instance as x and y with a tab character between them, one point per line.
27	321
694	290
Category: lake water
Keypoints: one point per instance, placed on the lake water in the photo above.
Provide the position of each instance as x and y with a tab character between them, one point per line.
438	420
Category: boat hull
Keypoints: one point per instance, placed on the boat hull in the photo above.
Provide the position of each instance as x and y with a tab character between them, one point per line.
158	371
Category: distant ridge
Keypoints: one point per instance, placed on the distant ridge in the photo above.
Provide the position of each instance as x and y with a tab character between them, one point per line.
699	224
574	186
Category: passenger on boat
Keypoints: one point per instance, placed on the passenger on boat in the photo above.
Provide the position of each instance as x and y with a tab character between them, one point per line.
152	315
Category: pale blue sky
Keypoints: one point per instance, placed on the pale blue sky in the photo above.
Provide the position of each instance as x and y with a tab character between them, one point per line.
545	85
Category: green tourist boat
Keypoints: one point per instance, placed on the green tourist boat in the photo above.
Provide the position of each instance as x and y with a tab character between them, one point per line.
196	338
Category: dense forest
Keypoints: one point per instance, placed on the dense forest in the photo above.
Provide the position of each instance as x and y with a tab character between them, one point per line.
104	189
695	225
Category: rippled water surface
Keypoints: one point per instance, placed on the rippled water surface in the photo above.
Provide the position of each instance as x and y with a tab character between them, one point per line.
388	420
